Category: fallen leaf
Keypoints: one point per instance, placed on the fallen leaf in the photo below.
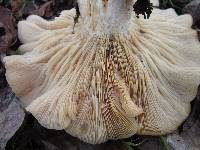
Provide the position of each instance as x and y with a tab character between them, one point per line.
45	10
8	32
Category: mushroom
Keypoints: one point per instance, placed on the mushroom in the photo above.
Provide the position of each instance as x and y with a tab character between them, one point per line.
115	76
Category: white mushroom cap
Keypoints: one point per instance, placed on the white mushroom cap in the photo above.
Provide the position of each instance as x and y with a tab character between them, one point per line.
107	86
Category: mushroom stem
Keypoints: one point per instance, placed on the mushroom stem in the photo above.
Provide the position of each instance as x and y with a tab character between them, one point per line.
106	16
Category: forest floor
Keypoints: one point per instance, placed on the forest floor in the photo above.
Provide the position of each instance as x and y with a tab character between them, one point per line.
21	131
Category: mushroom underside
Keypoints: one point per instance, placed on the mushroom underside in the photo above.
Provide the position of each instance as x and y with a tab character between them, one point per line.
104	87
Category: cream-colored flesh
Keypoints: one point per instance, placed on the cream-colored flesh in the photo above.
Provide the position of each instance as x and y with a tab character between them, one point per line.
112	78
